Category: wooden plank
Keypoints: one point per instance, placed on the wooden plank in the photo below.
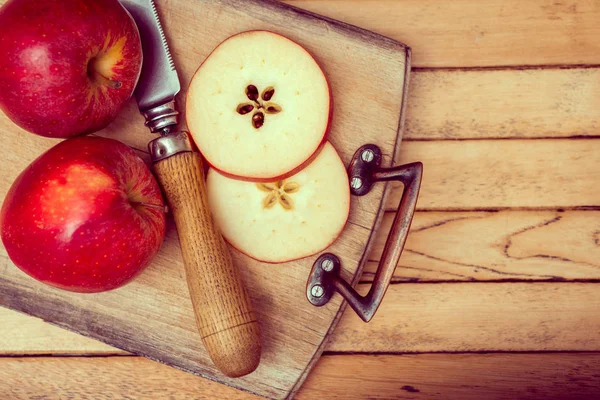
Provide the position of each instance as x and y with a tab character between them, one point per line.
455	376
484	174
455	317
482	104
487	104
480	33
70	378
21	334
429	376
459	317
514	103
505	245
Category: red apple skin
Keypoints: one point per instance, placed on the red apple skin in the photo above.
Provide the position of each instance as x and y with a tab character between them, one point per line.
86	216
66	67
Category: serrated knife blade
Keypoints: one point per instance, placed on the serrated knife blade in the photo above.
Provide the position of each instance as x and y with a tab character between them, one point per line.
158	83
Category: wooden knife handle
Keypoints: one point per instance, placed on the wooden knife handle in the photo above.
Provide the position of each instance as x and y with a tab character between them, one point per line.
224	315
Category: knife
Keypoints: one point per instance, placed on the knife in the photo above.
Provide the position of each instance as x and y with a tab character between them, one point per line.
222	307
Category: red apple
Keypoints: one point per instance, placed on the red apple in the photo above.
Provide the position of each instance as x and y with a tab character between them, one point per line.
86	216
66	67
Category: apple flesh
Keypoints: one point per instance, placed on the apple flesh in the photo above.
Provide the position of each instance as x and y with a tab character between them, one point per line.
85	216
284	220
66	67
258	108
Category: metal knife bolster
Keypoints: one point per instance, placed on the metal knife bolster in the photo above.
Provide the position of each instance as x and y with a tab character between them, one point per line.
163	119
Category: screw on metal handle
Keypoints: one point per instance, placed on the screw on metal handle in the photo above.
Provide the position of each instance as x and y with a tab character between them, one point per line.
325	278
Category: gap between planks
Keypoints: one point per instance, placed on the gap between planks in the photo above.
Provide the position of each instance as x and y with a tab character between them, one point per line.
523	67
119	353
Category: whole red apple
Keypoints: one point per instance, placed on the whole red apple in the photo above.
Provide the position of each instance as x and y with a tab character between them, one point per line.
66	67
85	216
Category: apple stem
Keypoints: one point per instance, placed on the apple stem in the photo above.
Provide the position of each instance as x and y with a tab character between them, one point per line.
107	82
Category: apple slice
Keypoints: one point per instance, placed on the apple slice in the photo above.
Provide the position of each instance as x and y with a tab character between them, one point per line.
284	220
258	107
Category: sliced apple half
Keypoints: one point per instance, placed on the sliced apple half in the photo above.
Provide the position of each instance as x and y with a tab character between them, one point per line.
258	107
284	220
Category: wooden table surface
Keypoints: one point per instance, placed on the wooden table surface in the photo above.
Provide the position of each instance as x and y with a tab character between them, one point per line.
497	294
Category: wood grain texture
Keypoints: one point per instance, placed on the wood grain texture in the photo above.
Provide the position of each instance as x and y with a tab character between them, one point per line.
153	315
21	334
481	33
226	321
456	376
508	104
504	245
497	174
416	318
427	376
458	317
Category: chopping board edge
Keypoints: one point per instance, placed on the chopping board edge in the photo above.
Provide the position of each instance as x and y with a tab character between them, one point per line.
364	34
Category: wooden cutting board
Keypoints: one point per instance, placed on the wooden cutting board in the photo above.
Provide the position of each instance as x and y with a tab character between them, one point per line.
153	316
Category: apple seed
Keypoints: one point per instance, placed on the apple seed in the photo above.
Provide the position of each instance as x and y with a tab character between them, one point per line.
252	92
268	93
286	202
265	188
244	109
272	108
258	119
270	200
291	187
